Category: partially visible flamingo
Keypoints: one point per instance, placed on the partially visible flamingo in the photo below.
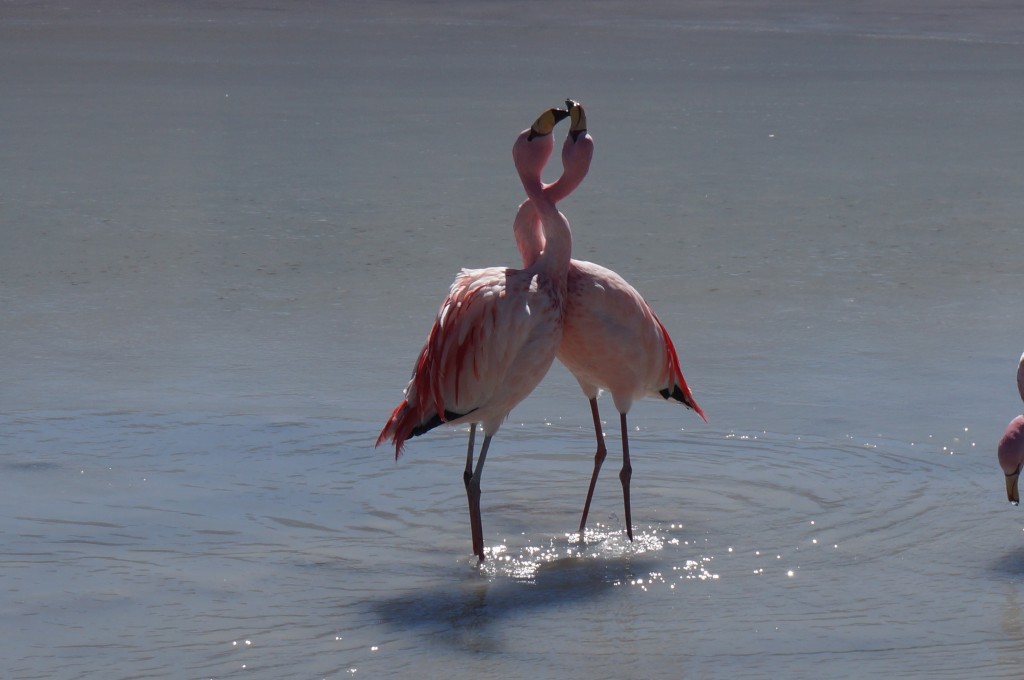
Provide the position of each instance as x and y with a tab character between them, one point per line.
495	335
1011	446
612	339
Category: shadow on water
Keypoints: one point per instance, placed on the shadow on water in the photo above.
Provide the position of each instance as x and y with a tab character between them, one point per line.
464	612
1010	563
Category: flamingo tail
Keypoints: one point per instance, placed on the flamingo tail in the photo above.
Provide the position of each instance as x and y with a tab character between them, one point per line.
680	391
405	423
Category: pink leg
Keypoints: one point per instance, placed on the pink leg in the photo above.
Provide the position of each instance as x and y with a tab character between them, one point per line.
625	474
598	460
468	474
473	495
467	478
474	521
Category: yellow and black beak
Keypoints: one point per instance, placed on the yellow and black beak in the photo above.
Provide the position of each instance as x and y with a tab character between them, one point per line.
546	122
578	123
1011	487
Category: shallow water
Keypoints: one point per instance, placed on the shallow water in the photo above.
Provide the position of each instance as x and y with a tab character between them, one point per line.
228	231
201	545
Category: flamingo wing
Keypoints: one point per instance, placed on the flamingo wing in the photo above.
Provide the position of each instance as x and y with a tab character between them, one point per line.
614	340
480	358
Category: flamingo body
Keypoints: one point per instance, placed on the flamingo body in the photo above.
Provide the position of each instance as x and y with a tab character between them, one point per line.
495	335
1010	449
492	342
611	338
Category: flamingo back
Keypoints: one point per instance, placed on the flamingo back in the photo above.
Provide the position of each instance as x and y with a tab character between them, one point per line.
492	341
613	340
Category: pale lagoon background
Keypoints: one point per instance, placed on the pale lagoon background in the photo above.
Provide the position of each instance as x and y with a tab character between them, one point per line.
226	228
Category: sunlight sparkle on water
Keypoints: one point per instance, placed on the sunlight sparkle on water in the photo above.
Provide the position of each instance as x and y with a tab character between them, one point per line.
598	543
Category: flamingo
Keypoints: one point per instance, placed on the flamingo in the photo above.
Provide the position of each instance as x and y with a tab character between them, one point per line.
611	339
496	334
1011	446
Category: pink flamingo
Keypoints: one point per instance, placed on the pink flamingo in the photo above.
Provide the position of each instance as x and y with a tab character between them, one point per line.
611	339
495	335
1011	446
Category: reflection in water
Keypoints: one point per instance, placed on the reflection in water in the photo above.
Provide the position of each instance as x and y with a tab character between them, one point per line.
1012	625
1011	564
565	574
473	609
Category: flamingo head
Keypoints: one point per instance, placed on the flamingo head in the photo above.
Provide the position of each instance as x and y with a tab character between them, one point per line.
546	122
577	119
1011	445
533	147
577	152
1011	456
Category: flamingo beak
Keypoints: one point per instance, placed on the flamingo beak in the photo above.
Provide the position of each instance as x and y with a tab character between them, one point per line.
1011	487
578	124
546	122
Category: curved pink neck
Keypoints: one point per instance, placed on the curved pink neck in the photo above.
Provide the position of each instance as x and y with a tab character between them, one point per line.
530	155
576	157
1020	377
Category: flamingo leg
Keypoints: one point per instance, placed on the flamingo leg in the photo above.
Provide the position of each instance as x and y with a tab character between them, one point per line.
598	460
625	474
468	474
473	495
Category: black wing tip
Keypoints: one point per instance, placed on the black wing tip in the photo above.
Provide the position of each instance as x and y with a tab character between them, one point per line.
676	394
427	426
436	421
